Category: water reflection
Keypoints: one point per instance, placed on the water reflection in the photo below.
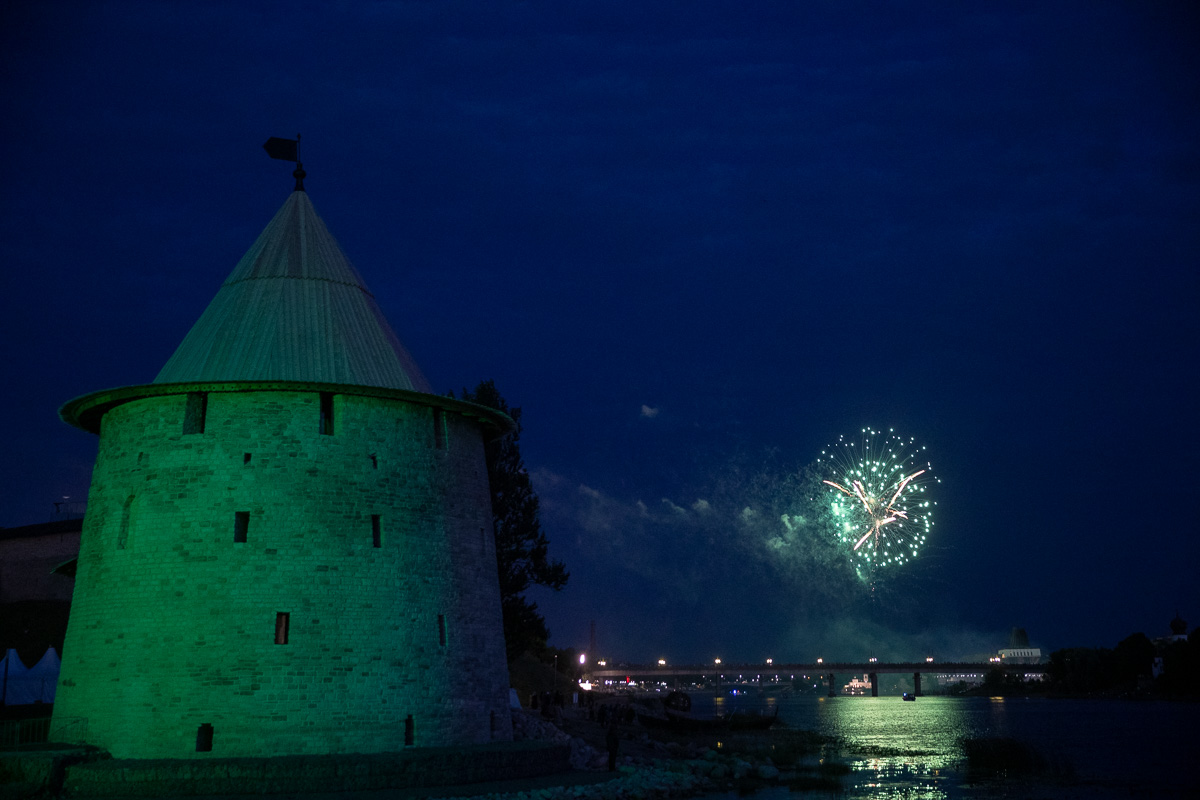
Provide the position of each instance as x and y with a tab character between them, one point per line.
898	776
897	749
887	726
893	749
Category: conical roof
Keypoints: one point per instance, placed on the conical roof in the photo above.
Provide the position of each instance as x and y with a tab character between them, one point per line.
294	309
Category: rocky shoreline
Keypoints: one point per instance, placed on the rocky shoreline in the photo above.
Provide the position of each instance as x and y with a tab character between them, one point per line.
647	767
564	758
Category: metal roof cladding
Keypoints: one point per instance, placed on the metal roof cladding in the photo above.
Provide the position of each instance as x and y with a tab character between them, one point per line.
294	309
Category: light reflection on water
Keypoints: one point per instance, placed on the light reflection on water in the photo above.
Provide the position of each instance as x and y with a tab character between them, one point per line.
898	749
894	749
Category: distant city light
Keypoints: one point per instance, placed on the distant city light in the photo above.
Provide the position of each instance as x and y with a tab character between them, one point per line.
662	662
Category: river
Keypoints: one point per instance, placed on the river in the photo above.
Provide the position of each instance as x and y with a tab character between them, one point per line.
1089	748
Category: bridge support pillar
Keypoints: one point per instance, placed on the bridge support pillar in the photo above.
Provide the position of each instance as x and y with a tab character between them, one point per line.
832	685
917	684
874	685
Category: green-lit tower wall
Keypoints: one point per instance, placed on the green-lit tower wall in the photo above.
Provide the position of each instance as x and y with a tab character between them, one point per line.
276	568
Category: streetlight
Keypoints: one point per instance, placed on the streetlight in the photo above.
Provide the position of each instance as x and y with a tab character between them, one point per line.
770	661
662	662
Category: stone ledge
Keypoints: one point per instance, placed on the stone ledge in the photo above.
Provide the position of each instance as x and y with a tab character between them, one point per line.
420	767
39	771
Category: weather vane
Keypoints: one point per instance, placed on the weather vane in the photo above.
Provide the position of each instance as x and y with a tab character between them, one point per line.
287	150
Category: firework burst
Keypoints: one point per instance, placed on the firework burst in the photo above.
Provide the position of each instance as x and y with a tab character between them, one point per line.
876	491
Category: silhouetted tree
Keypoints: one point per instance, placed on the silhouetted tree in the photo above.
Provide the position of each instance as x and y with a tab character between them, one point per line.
1181	668
31	626
995	680
1134	657
522	550
1082	670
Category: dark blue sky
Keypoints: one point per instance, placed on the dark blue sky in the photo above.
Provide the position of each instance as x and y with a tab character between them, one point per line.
695	243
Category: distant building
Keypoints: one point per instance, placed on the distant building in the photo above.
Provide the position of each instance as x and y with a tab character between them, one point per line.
1018	639
858	685
1024	655
1179	631
945	679
1019	651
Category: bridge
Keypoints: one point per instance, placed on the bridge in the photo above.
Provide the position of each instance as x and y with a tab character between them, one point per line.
740	673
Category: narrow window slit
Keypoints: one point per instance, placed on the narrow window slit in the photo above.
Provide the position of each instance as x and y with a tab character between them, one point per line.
195	412
442	629
326	421
241	525
126	523
282	619
245	458
376	531
409	736
439	429
204	738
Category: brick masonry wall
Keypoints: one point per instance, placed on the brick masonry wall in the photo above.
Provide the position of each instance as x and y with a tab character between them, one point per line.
173	622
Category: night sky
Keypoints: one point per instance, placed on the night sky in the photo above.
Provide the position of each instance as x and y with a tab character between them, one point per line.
694	243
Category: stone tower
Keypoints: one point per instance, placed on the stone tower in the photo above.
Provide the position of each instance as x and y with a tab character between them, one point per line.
288	545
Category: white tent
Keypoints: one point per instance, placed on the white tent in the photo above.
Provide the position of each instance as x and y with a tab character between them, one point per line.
21	685
46	673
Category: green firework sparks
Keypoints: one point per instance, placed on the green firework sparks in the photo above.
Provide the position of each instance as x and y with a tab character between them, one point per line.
877	493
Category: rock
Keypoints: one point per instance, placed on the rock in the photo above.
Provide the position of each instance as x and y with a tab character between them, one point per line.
767	772
583	756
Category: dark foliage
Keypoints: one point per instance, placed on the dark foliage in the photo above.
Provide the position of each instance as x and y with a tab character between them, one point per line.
31	626
1133	660
522	550
1082	670
1127	670
1180	668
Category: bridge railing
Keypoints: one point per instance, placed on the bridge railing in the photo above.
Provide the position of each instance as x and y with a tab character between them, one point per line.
729	672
